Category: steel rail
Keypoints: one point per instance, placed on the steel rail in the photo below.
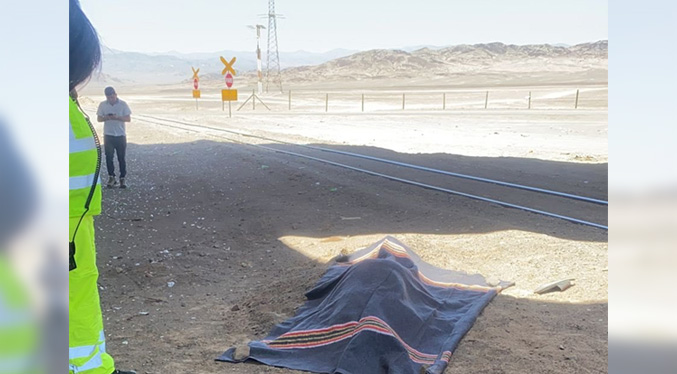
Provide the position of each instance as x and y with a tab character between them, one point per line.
402	180
412	166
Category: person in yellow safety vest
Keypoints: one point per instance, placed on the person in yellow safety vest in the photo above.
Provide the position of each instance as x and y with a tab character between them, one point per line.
86	339
20	337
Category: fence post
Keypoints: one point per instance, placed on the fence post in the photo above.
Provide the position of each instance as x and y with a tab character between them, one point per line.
326	103
486	100
402	101
363	102
444	101
529	99
576	105
289	99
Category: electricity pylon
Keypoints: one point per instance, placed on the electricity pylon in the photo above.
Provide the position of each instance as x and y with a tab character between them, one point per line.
273	71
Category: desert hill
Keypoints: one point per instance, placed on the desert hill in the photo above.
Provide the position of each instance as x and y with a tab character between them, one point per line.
481	64
478	58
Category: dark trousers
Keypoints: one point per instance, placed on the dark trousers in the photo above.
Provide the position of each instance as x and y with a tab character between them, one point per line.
115	144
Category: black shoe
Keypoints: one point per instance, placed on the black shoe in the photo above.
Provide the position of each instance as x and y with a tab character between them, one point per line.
117	371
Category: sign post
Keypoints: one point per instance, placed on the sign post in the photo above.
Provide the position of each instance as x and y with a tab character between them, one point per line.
228	94
196	85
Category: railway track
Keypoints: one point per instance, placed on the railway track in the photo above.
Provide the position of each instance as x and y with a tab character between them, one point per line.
573	207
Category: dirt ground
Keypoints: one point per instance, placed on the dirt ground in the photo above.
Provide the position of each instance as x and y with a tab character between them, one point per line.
214	242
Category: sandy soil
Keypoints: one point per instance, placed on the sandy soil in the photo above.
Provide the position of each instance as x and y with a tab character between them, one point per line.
215	242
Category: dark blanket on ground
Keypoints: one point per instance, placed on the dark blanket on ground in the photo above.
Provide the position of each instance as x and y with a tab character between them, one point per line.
380	310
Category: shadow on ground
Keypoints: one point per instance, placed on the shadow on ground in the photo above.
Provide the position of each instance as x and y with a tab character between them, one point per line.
191	260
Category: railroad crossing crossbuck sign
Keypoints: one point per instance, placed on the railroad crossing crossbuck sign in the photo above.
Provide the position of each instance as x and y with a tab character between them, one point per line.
229	66
196	80
228	94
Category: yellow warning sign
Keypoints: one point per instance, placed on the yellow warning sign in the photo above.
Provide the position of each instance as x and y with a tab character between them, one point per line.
229	66
196	94
195	77
228	95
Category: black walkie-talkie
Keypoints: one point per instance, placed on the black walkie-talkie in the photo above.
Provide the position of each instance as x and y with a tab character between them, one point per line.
71	244
71	256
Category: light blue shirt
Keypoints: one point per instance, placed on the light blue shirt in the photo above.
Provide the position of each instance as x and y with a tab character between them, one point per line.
110	127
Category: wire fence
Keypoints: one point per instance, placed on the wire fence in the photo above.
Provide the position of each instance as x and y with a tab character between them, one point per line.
390	101
375	101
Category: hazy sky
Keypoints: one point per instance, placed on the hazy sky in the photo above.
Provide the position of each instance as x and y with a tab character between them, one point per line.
318	26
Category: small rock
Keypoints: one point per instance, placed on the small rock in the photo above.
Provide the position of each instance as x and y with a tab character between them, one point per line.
493	281
561	347
170	284
241	352
235	308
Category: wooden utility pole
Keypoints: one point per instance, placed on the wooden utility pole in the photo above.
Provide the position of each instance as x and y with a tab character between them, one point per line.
576	104
529	99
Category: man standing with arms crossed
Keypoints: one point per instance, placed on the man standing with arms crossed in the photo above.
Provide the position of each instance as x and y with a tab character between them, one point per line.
114	112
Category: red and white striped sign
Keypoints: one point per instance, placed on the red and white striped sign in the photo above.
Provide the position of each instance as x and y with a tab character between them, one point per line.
229	80
195	83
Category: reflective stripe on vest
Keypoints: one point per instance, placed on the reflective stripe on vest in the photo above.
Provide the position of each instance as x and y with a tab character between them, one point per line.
82	164
93	352
21	364
87	350
79	145
93	363
13	318
83	181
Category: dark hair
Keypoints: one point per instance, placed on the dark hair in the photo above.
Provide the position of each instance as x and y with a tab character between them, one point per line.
84	48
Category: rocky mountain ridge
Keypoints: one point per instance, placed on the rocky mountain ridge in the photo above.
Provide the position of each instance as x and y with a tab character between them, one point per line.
488	59
459	59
